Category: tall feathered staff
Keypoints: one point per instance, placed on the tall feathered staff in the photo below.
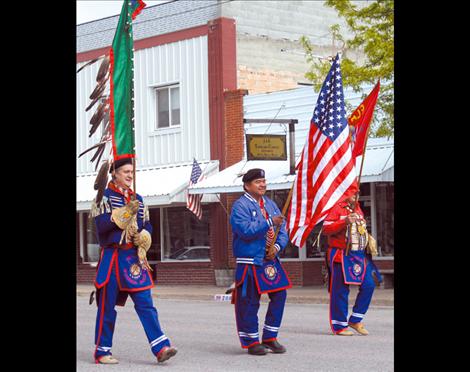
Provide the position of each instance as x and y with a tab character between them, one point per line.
115	111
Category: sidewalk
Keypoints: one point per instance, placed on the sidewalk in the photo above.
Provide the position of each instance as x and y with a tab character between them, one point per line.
307	295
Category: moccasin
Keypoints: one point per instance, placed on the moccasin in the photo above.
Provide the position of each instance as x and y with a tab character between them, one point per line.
166	353
346	332
359	328
107	359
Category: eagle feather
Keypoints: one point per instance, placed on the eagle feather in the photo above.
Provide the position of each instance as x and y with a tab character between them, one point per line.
100	116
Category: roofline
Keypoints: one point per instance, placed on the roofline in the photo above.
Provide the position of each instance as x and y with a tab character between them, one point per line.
117	15
150	42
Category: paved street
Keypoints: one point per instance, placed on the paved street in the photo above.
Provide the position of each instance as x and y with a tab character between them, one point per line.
205	335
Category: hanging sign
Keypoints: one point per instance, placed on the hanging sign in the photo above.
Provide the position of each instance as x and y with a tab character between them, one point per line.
266	147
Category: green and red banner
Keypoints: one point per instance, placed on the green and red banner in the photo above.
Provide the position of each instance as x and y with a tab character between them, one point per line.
121	58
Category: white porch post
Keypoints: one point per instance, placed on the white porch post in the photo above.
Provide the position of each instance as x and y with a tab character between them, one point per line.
162	237
82	243
303	252
373	210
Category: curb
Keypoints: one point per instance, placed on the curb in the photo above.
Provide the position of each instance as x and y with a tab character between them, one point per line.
264	299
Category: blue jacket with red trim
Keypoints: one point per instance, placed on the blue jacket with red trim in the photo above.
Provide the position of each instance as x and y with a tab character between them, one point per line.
130	275
249	228
108	232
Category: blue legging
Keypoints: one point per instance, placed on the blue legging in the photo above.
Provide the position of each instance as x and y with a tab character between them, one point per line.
339	294
106	318
246	312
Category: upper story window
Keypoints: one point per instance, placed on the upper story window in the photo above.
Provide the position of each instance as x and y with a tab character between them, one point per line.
168	106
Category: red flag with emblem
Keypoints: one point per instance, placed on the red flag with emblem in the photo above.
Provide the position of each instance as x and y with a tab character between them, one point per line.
360	120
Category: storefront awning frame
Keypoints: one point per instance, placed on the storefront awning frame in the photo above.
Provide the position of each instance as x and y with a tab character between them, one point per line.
159	186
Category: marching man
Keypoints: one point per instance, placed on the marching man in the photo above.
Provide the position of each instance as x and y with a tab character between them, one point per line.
259	270
124	233
349	263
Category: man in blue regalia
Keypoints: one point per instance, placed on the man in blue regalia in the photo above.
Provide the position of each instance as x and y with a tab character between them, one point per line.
124	234
254	218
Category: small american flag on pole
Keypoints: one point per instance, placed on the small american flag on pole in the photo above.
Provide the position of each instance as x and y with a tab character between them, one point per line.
193	201
326	171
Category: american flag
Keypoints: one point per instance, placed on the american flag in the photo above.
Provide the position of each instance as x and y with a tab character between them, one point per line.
326	171
193	201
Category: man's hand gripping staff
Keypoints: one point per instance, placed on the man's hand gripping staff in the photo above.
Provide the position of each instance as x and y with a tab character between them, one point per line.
126	219
271	250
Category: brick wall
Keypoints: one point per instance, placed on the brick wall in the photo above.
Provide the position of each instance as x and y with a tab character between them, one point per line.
201	273
303	273
230	200
221	44
85	274
264	80
233	153
218	234
233	122
385	264
312	273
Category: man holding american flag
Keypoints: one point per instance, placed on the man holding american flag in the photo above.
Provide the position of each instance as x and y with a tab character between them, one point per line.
326	171
325	189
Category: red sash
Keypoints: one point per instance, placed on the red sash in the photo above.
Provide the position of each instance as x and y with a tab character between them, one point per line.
270	234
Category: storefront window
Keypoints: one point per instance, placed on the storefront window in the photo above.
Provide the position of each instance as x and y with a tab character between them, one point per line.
316	247
155	251
92	248
185	236
365	202
385	218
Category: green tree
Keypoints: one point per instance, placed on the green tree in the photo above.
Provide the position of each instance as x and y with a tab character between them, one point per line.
372	24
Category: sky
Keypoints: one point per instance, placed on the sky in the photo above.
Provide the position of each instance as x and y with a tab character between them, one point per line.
91	10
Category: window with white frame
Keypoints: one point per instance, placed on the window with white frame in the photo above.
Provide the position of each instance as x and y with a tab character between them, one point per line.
168	106
90	240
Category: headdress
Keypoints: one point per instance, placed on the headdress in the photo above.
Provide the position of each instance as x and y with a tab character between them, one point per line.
115	93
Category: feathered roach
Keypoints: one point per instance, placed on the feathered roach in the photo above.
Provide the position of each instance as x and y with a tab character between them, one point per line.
99	118
101	181
92	147
104	96
88	64
99	89
103	70
99	113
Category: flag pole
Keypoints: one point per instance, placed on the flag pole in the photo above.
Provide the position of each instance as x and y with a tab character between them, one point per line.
367	137
364	151
284	210
134	181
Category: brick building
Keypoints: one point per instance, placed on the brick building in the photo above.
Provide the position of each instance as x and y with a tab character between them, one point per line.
195	65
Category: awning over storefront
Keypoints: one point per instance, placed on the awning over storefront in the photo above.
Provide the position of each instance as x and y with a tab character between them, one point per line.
157	185
379	161
230	179
378	167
